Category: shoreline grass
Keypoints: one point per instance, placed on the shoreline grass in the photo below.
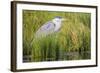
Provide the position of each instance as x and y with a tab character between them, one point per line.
74	36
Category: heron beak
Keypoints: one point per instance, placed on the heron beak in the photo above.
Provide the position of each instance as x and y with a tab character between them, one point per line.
63	19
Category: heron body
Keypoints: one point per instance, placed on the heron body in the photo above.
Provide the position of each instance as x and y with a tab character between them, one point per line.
49	27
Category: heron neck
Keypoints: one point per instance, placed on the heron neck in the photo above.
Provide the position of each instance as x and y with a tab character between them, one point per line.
57	27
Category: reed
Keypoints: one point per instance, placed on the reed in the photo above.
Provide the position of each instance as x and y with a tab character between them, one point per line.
74	36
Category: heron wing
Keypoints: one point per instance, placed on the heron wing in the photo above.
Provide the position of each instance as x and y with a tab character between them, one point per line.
46	29
48	26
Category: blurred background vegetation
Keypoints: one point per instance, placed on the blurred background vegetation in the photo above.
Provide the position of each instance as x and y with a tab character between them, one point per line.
72	42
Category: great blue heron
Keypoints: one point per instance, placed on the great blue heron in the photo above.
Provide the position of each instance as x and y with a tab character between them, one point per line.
50	27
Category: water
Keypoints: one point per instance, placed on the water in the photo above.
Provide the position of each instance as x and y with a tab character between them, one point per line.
60	56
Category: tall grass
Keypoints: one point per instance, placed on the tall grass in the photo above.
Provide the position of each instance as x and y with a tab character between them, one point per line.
74	36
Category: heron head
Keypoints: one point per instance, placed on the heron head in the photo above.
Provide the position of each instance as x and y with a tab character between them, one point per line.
58	19
58	22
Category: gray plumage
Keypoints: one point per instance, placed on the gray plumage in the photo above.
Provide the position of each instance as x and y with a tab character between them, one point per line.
46	29
50	27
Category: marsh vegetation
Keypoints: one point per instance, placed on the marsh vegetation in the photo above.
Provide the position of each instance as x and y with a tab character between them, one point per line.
72	42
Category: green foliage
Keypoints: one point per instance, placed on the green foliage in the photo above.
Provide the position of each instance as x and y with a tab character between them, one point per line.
74	36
